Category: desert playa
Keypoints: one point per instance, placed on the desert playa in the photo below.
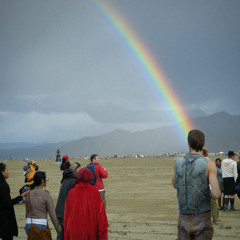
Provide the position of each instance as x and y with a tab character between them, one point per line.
141	202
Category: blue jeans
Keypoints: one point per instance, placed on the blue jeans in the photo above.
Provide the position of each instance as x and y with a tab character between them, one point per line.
39	226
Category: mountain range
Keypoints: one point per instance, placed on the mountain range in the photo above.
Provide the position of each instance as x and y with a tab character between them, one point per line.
221	129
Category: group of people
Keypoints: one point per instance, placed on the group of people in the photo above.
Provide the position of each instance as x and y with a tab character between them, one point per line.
80	210
199	182
90	206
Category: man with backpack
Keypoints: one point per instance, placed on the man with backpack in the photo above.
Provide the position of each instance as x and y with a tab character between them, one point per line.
99	172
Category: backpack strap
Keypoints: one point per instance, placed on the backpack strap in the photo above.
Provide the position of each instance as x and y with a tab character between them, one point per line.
29	205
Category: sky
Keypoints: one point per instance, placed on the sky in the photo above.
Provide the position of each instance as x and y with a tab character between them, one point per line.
65	72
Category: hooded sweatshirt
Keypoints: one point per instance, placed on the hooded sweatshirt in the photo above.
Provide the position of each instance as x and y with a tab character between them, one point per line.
85	216
229	169
68	179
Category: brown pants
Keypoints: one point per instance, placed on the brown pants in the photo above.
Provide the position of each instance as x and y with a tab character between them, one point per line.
197	227
214	210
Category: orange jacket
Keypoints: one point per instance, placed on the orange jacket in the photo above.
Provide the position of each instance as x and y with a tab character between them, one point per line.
29	175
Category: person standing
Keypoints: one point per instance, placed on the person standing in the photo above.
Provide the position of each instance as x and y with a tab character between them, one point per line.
229	175
100	173
238	170
218	162
8	223
65	163
29	171
29	174
69	177
38	204
214	208
192	175
85	216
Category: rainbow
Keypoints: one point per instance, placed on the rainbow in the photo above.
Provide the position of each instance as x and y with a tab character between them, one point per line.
146	62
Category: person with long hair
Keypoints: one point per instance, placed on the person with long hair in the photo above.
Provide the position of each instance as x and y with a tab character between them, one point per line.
38	204
8	223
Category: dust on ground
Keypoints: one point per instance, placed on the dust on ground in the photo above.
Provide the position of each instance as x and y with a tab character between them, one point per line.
141	202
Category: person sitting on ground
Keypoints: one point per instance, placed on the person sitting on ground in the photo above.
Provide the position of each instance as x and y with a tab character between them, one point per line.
85	216
38	204
69	177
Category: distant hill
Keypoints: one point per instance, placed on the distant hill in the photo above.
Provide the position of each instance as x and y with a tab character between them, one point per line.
19	145
222	132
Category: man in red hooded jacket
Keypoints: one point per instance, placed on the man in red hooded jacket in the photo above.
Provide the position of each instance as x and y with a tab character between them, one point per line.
100	173
85	215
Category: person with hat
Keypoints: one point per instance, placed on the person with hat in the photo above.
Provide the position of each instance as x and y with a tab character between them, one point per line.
229	175
29	171
85	216
32	168
65	163
69	177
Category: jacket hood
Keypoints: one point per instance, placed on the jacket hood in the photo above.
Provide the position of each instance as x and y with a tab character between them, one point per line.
191	157
69	173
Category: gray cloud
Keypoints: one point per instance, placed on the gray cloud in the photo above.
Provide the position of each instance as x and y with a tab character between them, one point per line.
61	60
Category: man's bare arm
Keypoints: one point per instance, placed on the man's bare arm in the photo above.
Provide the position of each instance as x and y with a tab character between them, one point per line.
212	177
174	178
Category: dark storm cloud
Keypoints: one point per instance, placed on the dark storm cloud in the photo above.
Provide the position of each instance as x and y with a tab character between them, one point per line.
61	59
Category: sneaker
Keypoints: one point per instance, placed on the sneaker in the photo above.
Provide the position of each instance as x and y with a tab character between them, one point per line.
220	208
216	223
232	209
